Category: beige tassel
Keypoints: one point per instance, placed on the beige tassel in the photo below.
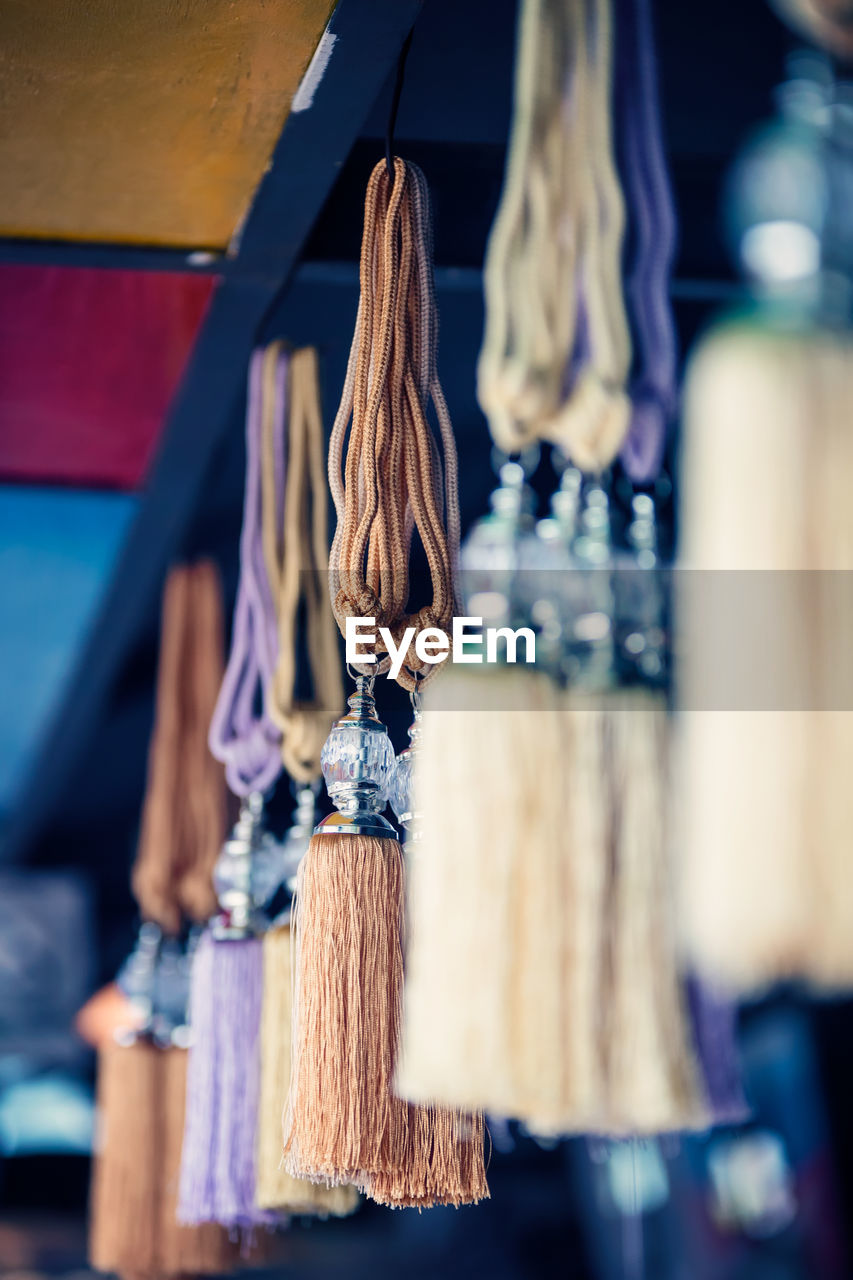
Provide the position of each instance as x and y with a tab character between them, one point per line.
544	866
652	1074
276	1188
766	804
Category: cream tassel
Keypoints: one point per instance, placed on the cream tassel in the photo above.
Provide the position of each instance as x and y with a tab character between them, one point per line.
652	1074
767	806
545	868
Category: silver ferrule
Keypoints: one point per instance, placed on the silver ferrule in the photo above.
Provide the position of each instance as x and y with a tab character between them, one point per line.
357	824
238	917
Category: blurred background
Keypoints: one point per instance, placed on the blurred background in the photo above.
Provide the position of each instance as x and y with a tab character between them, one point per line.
154	227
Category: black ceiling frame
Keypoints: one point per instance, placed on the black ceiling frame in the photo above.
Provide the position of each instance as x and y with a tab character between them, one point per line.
313	146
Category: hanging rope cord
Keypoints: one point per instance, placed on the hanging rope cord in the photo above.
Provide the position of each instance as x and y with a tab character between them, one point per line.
395	476
183	816
648	275
243	735
555	248
301	569
259	725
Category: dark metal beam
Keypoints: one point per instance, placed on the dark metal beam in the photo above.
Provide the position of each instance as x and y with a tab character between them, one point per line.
470	280
116	257
312	148
320	271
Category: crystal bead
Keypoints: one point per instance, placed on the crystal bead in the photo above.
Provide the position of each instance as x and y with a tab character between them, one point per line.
358	757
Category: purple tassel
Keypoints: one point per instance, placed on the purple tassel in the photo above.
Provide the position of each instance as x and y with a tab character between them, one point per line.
714	1020
246	740
652	240
223	1083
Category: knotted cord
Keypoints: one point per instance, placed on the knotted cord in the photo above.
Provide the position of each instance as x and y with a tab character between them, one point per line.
395	476
555	247
243	734
183	817
302	578
653	230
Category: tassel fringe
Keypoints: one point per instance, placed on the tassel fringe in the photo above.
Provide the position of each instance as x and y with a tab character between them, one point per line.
544	865
767	806
343	1122
276	1188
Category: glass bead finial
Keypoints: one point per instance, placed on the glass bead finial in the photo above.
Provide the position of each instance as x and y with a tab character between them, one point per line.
357	761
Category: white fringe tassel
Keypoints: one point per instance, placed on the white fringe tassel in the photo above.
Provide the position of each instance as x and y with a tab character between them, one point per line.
766	800
541	980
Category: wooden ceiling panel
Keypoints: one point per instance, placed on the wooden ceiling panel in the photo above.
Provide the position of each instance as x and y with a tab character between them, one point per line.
144	121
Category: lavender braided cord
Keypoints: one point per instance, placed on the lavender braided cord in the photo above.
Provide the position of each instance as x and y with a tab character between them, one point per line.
242	734
653	240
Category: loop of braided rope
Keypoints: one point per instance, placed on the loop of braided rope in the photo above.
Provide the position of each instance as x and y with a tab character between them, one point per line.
243	734
183	816
653	239
396	476
300	570
554	253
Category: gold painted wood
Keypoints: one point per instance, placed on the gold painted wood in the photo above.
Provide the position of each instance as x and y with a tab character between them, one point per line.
144	121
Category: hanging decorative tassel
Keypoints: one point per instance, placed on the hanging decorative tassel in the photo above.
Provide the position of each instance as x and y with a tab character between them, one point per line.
276	1188
557	885
217	1181
765	623
218	1166
343	1122
765	810
253	728
300	566
141	1078
556	882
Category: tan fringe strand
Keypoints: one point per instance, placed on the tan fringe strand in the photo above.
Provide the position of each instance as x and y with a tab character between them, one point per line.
123	1217
343	1122
652	1074
134	1230
276	1188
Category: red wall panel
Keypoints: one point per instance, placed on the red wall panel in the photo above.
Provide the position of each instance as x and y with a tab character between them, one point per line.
89	362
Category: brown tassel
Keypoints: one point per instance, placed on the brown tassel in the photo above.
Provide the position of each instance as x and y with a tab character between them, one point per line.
201	817
443	1164
122	1233
344	1122
134	1230
141	1086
